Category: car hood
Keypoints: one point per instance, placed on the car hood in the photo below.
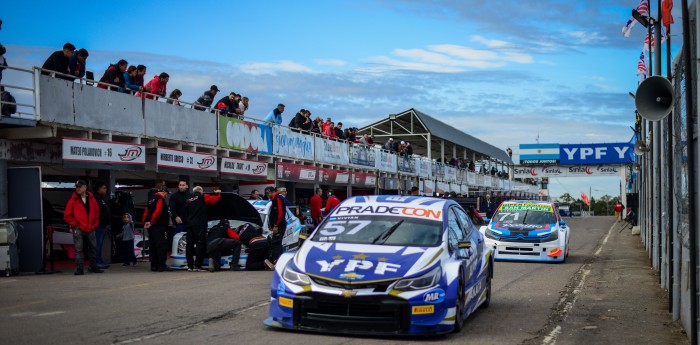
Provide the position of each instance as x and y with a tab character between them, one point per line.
233	206
362	263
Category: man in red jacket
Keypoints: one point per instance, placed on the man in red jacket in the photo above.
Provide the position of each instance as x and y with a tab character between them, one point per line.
316	206
331	203
83	215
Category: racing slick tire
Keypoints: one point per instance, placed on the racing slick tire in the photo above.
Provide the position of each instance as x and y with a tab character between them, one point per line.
460	302
485	304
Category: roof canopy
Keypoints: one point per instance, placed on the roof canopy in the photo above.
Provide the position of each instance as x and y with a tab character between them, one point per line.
424	131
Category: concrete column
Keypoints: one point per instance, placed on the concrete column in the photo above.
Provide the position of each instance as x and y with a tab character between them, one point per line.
442	151
4	201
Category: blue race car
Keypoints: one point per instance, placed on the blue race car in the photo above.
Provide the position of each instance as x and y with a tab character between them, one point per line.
527	230
384	265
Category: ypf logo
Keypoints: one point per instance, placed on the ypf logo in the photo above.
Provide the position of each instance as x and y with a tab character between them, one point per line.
131	154
206	162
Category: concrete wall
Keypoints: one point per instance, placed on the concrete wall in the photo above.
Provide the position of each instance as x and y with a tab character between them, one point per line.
104	109
164	120
56	100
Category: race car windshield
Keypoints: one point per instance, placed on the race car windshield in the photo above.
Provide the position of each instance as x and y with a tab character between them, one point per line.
389	230
527	217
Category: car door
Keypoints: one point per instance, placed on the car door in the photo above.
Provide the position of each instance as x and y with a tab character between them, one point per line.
476	250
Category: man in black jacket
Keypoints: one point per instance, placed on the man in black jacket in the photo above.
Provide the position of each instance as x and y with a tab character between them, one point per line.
100	191
155	220
251	236
205	100
339	131
178	206
197	227
276	221
220	239
58	62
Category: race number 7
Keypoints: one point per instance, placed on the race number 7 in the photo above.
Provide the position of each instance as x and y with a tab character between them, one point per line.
336	228
506	214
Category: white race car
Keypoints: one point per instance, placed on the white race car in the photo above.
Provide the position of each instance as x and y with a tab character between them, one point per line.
526	230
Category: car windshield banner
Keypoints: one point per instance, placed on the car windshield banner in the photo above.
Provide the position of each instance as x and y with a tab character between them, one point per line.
87	153
245	136
288	143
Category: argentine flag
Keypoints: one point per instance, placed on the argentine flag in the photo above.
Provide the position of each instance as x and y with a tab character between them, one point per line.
539	152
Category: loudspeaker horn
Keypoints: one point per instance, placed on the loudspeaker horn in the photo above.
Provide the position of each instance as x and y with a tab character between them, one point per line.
654	98
640	147
636	167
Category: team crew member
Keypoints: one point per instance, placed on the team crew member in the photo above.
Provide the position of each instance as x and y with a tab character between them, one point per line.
105	222
316	205
155	220
178	206
197	227
332	202
276	221
83	215
220	240
258	247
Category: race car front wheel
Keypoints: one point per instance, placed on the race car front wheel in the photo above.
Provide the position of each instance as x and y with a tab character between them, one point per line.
459	306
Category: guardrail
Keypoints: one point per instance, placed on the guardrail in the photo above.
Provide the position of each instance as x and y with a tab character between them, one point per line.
78	103
25	95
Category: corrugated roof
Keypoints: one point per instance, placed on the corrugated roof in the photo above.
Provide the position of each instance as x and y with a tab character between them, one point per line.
444	131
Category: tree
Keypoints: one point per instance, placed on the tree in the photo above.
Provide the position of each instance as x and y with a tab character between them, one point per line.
567	198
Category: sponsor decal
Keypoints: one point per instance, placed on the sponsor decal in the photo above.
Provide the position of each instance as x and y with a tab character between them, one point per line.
352	276
356	264
280	288
286	302
131	153
434	296
526	207
423	309
234	166
102	152
390	210
206	162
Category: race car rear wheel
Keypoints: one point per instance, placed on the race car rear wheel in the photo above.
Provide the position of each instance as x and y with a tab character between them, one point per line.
459	306
485	304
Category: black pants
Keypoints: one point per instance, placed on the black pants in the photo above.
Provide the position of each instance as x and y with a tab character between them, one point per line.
158	244
196	245
275	246
219	246
127	251
257	253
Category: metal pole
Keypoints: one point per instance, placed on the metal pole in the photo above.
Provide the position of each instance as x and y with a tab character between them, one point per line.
690	126
669	181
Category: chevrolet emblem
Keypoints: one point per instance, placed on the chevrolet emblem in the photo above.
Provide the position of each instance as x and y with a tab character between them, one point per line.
348	293
352	276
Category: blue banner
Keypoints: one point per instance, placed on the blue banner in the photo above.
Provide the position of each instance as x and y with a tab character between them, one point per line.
612	153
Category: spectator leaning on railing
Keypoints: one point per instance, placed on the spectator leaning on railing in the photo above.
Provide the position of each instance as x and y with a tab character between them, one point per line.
157	85
129	76
114	76
58	61
77	63
206	99
275	116
175	97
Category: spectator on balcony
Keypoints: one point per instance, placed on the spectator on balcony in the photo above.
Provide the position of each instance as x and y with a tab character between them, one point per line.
388	145
206	99
365	140
493	170
297	120
307	124
76	64
174	97
129	75
329	130
339	131
3	62
409	149
317	125
325	125
472	166
58	62
157	86
113	78
275	116
227	105
351	134
138	79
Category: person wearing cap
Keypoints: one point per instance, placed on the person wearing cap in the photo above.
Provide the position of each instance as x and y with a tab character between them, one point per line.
206	99
275	116
82	213
389	144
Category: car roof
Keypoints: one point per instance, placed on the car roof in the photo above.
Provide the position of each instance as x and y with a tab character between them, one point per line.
394	205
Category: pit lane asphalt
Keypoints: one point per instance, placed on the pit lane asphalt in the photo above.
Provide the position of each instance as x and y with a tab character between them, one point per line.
135	306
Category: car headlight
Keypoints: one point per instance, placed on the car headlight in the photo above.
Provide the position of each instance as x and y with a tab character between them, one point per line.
294	277
425	281
553	236
492	234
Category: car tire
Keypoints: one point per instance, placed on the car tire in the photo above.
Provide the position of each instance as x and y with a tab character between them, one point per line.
459	306
485	304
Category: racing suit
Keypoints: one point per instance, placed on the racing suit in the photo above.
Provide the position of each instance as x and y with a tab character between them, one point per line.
197	228
219	241
157	214
258	246
276	218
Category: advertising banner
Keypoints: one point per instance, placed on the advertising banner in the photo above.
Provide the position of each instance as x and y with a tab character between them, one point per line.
333	177
172	160
103	154
423	168
406	165
389	183
362	156
449	173
331	151
442	187
235	166
596	154
429	187
487	181
385	161
363	179
288	143
471	178
454	187
567	171
243	135
296	172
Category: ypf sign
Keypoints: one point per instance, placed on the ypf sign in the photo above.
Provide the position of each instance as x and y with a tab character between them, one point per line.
579	154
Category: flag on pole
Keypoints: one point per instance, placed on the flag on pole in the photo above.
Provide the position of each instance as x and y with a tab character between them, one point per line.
650	40
643	9
584	197
642	65
666	7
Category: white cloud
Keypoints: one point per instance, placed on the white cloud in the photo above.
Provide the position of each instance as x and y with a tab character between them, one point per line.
258	68
491	43
331	62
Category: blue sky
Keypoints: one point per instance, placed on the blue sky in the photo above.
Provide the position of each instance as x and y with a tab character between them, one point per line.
503	71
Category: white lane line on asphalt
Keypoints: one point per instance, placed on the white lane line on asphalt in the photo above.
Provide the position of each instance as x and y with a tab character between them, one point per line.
35	314
566	307
181	328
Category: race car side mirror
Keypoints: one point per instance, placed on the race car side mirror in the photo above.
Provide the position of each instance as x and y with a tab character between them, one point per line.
562	223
